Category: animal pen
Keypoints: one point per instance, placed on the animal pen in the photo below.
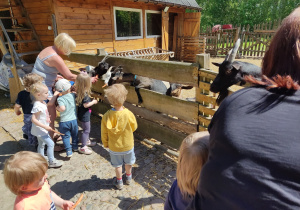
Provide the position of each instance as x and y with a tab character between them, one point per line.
167	119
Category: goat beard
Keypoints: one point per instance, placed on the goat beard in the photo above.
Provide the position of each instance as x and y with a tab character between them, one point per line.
222	95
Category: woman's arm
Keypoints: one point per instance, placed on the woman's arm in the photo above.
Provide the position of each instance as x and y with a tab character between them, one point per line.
58	201
34	120
57	62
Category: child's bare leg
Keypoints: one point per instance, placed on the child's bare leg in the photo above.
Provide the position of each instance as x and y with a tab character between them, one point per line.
119	172
128	169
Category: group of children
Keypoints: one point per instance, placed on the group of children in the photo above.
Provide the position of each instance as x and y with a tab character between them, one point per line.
117	127
36	127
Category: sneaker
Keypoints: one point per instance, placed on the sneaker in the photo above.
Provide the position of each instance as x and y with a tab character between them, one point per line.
46	158
69	153
85	150
117	184
128	180
75	150
90	143
55	164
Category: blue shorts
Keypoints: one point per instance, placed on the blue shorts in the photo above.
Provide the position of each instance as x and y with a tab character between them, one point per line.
118	160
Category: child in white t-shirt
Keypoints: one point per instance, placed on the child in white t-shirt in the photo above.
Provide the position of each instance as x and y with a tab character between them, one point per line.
40	123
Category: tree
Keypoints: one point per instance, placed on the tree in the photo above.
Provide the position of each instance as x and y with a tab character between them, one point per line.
244	12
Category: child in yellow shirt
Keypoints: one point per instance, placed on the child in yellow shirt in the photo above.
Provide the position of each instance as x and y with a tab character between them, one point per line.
117	127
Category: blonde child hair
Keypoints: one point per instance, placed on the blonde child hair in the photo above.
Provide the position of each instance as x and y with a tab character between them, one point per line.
22	169
37	87
65	43
83	87
193	155
30	79
116	94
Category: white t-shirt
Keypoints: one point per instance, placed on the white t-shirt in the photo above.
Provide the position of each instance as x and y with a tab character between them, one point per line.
43	118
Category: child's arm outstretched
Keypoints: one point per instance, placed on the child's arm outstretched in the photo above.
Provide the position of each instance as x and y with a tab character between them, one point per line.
34	120
58	201
53	99
89	104
17	108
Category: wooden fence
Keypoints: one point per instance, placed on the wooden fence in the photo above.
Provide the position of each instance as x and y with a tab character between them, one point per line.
180	117
254	43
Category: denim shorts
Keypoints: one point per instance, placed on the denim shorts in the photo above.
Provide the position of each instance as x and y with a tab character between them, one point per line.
118	160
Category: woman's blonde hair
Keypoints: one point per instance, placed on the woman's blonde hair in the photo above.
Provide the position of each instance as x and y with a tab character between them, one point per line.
30	79
116	94
83	87
22	169
37	87
193	154
64	43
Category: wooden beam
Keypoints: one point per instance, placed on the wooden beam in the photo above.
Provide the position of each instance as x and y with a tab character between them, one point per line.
171	71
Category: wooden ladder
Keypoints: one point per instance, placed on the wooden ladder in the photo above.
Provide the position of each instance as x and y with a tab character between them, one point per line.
8	48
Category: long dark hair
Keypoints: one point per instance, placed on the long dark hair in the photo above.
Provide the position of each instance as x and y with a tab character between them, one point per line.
281	64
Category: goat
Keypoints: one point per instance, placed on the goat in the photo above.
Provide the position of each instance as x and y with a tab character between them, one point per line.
138	82
231	72
175	89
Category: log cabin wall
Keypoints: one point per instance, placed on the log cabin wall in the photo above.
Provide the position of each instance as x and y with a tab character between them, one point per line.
90	23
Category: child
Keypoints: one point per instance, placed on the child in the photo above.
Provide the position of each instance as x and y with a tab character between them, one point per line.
40	123
193	155
25	175
117	127
68	121
84	102
25	100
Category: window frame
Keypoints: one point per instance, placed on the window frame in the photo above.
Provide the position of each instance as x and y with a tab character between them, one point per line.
131	10
150	11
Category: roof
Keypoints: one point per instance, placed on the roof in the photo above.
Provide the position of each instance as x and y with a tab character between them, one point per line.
189	4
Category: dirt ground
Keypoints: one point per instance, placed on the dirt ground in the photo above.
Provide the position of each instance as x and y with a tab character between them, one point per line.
190	94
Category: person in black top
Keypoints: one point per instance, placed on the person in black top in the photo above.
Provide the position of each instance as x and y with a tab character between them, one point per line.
84	103
254	159
25	101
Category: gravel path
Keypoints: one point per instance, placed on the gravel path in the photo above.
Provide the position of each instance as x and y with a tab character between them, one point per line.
92	174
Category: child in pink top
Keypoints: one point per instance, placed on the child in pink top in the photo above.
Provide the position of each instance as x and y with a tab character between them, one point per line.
25	175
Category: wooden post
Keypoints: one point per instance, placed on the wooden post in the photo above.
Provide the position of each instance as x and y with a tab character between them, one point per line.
165	30
203	60
14	83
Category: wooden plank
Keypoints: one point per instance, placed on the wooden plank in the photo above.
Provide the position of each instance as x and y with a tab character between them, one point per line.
103	10
206	110
177	72
146	127
67	15
88	22
175	33
165	30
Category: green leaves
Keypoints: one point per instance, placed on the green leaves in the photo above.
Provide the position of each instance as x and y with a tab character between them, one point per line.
244	12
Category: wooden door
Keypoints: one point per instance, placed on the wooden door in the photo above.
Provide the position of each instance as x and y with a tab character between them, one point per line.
191	26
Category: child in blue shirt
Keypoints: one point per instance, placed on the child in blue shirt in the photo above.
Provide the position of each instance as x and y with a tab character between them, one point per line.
68	120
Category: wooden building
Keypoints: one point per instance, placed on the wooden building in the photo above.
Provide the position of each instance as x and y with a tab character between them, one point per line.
116	25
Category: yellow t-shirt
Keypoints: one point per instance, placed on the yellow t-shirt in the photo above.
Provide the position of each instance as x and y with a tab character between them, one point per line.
117	129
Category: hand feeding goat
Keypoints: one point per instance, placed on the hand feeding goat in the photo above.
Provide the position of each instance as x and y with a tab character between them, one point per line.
231	72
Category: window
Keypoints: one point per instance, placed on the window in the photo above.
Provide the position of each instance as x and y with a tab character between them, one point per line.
128	23
153	23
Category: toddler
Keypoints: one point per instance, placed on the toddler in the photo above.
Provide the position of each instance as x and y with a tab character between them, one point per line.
193	155
84	102
40	123
25	175
117	127
68	121
25	101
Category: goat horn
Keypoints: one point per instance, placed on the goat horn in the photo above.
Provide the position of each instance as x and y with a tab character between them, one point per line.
105	57
234	51
228	54
104	85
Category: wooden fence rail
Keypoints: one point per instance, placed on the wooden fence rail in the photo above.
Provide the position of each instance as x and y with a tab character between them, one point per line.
167	119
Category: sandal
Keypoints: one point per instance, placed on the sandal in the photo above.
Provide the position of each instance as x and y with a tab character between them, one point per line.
58	148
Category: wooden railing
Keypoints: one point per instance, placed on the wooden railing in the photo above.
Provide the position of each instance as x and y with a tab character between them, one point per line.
167	119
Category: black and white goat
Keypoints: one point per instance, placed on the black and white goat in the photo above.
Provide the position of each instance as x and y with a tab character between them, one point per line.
231	72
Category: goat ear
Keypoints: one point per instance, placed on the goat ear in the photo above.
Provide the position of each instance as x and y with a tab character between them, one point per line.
236	66
216	64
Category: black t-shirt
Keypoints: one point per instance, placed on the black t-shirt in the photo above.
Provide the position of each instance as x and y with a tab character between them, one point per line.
26	101
84	114
254	158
